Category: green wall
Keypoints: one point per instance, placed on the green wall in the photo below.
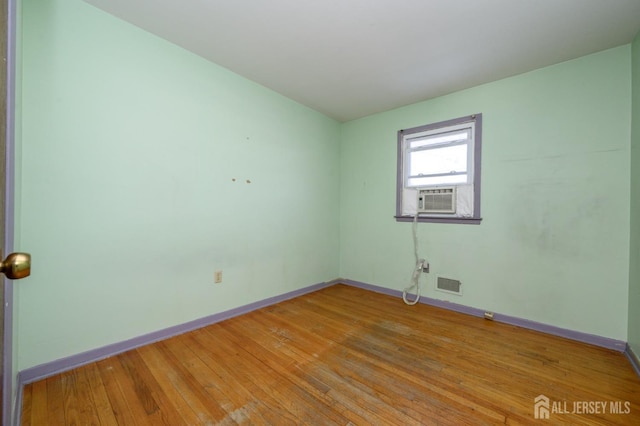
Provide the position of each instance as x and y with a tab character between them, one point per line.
634	269
553	245
130	149
127	199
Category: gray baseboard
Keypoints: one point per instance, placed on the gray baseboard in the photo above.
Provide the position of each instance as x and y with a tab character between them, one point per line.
52	368
591	339
633	359
48	369
43	371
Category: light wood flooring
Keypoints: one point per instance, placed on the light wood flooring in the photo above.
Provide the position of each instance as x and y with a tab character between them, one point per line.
344	355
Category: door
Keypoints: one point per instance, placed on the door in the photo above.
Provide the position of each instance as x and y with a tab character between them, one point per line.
16	265
3	139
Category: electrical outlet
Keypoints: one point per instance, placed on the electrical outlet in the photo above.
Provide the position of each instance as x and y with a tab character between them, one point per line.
217	277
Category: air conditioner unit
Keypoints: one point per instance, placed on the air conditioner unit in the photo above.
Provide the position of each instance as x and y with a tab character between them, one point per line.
437	200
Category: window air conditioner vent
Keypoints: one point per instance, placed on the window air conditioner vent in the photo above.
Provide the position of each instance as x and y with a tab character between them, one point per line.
437	200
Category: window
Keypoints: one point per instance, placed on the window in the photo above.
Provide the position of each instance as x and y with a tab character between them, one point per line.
439	171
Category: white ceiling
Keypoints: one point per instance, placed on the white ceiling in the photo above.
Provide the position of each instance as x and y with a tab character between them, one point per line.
352	58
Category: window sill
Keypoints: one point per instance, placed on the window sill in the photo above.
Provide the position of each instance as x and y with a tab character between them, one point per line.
427	219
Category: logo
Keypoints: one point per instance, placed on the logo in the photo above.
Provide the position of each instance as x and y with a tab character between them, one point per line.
541	407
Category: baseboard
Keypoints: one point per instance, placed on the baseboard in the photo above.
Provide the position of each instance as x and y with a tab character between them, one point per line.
591	339
633	359
17	413
64	364
49	369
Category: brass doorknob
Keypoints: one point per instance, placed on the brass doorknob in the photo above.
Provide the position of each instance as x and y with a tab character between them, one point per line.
16	266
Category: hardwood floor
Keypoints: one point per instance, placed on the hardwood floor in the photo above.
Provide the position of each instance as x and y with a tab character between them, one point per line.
344	355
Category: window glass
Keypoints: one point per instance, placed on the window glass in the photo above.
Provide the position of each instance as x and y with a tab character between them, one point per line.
447	137
448	159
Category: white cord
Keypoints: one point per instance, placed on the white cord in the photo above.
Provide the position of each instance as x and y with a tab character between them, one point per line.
417	269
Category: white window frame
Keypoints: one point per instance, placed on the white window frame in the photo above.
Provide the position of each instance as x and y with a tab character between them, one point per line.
406	185
408	139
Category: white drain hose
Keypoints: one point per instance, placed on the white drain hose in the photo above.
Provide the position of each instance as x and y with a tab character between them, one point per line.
417	269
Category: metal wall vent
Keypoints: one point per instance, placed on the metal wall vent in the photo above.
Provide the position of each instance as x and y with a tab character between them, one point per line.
449	285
